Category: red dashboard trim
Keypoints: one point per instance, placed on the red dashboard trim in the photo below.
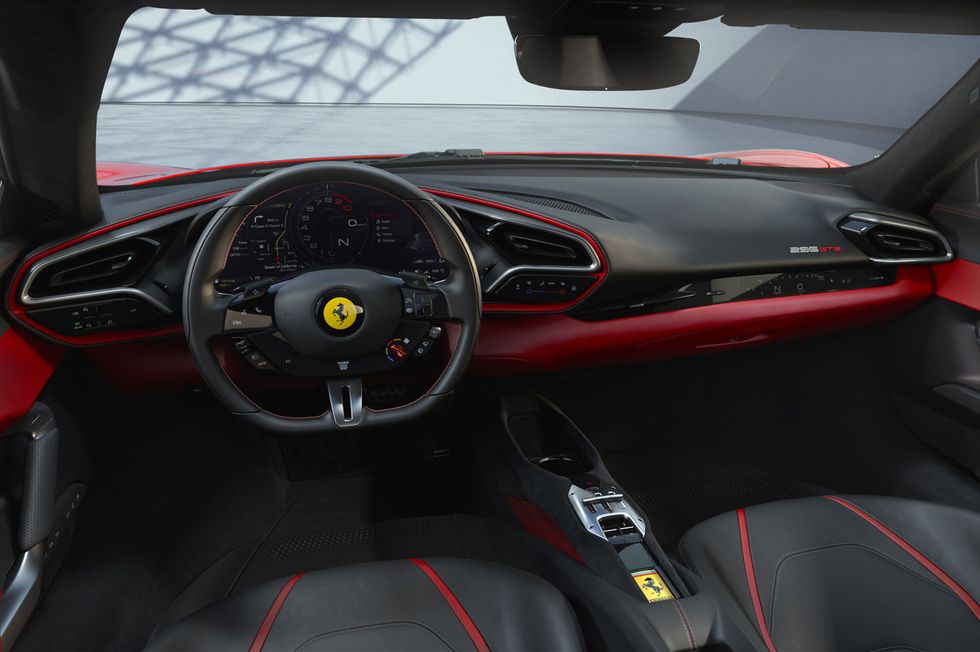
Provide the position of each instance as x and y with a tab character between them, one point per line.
959	281
20	312
27	364
521	344
545	308
518	344
115	173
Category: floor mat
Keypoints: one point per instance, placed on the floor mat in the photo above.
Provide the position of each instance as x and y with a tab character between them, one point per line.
458	535
172	491
680	487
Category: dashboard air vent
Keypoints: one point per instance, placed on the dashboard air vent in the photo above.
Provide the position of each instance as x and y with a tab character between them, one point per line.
529	246
888	239
114	265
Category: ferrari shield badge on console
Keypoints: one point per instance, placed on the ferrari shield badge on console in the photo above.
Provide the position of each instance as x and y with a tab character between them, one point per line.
652	585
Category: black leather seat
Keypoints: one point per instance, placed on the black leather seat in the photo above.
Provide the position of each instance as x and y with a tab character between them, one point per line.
845	573
411	604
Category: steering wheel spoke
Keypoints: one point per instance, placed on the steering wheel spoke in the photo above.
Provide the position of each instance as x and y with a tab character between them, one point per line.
346	401
252	309
425	301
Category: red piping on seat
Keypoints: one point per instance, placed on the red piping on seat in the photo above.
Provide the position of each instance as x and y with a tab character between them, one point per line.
937	572
464	618
270	618
760	617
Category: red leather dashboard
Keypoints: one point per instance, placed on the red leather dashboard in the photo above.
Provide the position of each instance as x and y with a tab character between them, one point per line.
527	344
27	364
524	344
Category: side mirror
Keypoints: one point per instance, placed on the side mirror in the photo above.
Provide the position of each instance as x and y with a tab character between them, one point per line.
606	63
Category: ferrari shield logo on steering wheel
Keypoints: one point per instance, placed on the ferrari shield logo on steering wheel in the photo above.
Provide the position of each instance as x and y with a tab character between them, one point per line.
339	313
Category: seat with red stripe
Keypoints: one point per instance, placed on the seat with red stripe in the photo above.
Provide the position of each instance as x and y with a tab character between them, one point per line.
409	604
844	573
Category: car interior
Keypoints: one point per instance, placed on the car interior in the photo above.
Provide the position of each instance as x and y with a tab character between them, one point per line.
477	400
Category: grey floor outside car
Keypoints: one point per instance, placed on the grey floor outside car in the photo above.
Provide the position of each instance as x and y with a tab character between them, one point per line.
200	135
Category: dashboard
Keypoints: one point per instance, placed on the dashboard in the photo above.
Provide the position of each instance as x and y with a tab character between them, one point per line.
578	266
330	224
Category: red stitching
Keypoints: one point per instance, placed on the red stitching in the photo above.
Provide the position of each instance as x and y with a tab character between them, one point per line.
687	625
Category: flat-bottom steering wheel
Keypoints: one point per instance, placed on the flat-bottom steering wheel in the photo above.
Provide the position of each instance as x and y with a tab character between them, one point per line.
335	323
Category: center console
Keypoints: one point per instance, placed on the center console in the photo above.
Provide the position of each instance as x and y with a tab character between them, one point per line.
627	592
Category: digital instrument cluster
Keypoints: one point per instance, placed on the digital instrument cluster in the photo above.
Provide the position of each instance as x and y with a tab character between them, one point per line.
326	224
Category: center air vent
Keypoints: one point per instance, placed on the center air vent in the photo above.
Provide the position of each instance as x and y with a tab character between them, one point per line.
887	239
528	246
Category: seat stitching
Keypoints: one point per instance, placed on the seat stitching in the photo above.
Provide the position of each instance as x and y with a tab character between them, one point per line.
374	625
772	602
687	626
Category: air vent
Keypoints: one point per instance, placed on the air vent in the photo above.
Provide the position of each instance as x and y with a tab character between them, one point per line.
549	202
528	246
116	265
887	239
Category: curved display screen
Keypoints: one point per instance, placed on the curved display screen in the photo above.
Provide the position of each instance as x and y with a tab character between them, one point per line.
326	224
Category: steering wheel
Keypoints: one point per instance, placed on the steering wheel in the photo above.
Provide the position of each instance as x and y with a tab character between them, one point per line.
337	324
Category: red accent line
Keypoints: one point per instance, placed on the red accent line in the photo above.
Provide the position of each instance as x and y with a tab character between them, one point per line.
292	161
20	313
602	155
518	344
937	572
270	618
540	525
959	281
760	617
464	618
502	307
27	363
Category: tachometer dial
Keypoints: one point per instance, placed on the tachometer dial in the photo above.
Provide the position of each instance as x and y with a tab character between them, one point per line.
328	227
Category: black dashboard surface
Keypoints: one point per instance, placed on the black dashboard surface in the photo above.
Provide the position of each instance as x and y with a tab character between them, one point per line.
656	227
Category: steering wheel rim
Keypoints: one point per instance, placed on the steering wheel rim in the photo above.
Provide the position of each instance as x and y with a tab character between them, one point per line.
205	309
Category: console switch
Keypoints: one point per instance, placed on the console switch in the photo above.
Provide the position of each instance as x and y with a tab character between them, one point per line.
97	316
605	513
543	288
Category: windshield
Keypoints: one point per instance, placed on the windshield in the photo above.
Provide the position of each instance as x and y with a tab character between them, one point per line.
193	90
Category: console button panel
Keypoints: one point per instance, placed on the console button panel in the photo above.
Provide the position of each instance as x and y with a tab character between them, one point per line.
543	288
97	316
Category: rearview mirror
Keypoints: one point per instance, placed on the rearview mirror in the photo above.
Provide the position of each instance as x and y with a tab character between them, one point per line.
607	63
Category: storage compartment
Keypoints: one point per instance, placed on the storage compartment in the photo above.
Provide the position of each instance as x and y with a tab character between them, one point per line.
548	438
